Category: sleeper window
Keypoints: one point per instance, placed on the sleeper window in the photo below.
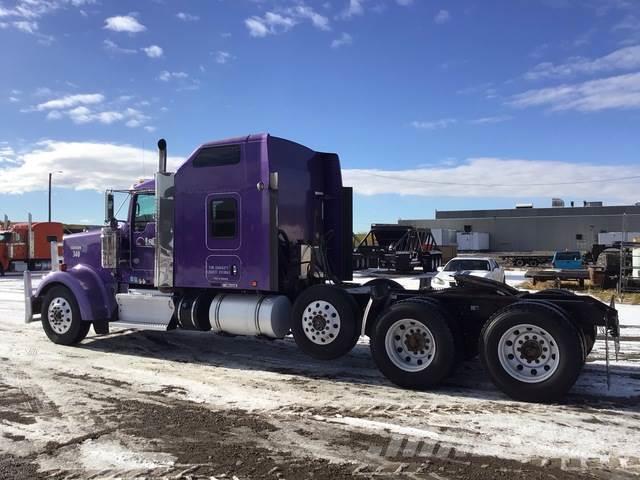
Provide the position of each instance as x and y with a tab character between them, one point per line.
223	217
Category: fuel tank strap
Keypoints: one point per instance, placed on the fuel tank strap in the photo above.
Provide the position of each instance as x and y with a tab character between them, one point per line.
216	316
256	314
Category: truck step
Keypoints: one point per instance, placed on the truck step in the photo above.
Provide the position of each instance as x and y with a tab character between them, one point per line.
140	326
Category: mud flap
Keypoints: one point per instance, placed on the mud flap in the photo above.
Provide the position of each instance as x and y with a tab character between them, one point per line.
28	297
612	328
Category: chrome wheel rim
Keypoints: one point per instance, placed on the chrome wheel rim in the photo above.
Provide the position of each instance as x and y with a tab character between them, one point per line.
59	315
321	322
528	353
410	345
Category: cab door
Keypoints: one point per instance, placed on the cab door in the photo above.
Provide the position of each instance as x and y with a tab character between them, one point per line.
143	235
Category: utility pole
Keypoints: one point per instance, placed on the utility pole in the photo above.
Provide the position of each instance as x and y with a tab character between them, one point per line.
51	175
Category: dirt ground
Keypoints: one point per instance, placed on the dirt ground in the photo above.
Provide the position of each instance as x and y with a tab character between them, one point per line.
151	404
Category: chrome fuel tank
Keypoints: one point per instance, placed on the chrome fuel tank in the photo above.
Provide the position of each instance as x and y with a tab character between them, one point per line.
267	315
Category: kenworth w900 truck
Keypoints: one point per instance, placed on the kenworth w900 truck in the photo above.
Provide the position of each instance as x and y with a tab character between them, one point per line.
252	236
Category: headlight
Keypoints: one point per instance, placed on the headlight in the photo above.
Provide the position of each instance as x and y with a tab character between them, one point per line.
438	281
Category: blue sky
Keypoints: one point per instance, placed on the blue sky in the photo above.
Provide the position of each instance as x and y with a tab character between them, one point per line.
431	104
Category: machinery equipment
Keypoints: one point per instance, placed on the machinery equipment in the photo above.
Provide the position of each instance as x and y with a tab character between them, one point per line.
26	245
397	247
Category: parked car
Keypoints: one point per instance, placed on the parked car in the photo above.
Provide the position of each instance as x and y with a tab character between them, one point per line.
567	261
477	266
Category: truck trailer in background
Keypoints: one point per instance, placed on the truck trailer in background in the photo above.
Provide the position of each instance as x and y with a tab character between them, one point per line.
27	245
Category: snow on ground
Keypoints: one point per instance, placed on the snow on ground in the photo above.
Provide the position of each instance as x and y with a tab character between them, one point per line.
69	392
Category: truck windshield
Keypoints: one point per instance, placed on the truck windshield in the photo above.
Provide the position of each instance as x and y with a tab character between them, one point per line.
466	264
5	237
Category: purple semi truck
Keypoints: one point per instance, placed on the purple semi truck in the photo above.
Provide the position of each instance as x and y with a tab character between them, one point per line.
252	236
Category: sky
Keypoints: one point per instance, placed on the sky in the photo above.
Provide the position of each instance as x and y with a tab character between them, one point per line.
431	104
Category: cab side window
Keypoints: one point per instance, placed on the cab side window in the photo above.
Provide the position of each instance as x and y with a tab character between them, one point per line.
144	211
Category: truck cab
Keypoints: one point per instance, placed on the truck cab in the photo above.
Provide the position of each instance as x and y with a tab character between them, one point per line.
567	260
258	216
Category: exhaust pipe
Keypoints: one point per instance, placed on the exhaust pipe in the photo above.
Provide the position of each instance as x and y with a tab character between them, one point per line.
6	222
162	154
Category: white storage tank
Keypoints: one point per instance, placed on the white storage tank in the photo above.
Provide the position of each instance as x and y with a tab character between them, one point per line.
609	238
635	263
472	241
444	236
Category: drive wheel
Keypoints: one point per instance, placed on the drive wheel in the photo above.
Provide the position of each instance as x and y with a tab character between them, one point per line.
61	319
325	322
413	346
532	352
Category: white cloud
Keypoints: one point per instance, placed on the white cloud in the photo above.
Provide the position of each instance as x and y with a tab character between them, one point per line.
81	115
433	125
508	178
627	58
443	16
619	92
26	26
343	40
13	99
222	57
124	23
491	120
187	17
112	166
271	24
304	11
153	51
404	3
355	7
113	47
30	9
92	108
71	101
150	128
167	76
274	23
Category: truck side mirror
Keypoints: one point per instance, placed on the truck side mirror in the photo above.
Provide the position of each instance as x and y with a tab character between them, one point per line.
109	208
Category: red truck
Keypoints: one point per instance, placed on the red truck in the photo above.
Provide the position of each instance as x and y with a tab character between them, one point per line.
28	243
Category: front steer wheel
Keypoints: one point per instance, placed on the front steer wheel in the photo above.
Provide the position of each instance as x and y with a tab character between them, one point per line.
413	345
532	352
325	322
61	319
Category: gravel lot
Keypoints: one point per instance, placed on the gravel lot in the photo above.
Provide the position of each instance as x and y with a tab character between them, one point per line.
151	404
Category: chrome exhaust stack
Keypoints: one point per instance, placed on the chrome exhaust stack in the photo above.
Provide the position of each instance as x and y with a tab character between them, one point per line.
165	196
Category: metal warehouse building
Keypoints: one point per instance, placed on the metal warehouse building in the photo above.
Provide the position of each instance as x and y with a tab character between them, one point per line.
531	229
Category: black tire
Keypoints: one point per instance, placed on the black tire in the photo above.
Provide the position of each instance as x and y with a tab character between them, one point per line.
341	304
518	262
1	270
568	344
77	329
424	315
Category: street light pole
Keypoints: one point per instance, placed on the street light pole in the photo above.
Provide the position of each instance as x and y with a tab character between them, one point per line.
50	175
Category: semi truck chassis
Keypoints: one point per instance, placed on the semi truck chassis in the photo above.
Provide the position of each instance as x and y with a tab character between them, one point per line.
532	345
